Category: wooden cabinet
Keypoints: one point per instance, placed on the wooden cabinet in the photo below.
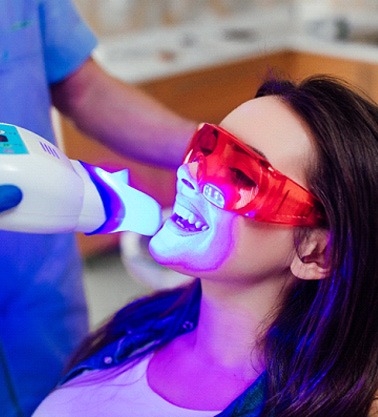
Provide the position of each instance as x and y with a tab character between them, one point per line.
207	95
364	75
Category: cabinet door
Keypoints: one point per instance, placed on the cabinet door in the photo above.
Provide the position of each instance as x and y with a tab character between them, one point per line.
360	74
209	94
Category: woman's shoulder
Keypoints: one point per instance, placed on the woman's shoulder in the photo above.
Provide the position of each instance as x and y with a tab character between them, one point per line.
115	353
137	329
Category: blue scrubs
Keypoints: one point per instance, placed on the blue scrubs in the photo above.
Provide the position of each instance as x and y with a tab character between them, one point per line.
42	306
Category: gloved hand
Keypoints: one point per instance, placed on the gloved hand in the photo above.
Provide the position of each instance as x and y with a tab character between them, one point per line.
10	196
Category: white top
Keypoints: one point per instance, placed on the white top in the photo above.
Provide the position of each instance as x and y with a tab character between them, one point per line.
112	393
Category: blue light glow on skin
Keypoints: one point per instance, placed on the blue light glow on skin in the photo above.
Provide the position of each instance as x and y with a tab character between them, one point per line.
230	247
192	251
234	247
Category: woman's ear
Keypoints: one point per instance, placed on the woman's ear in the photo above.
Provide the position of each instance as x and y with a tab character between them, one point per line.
311	260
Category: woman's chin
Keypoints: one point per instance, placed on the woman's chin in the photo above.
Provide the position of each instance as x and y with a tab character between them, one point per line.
166	253
160	249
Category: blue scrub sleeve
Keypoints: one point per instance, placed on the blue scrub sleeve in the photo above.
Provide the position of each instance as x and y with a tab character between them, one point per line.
68	41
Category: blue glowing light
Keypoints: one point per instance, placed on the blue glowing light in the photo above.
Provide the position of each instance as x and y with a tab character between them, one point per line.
126	208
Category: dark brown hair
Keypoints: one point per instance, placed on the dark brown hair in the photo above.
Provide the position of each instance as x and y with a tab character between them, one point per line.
321	351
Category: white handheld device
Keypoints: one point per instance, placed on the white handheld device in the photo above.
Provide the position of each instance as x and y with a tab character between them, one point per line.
64	195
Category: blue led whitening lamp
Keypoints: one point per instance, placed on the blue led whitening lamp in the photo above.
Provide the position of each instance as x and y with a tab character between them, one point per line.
63	195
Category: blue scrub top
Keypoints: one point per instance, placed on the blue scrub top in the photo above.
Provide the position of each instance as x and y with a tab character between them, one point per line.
42	306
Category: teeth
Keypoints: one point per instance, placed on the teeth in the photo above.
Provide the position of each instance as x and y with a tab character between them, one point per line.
186	219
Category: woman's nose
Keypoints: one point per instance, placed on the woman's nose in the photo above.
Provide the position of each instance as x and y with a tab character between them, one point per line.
186	177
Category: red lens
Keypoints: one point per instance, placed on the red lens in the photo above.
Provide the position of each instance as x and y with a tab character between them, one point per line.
234	177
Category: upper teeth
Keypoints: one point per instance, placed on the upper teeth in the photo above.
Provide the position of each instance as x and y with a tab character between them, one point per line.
190	217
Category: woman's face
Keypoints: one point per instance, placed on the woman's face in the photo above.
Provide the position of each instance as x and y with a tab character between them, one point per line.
225	244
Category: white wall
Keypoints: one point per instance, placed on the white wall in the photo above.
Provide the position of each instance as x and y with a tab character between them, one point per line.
109	17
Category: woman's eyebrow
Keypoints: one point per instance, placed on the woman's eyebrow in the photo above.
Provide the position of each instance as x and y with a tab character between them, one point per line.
252	148
258	152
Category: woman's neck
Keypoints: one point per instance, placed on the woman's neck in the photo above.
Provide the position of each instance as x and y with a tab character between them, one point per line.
231	323
209	367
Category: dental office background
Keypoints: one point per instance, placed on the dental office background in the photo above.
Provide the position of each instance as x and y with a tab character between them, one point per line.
140	40
114	17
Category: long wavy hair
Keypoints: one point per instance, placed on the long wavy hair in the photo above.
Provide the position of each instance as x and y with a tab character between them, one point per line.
321	351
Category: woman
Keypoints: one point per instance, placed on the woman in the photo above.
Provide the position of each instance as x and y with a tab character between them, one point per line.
276	214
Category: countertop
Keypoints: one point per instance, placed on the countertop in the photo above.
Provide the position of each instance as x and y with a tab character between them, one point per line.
162	52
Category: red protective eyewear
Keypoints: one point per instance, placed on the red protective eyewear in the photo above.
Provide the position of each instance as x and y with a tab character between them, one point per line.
235	178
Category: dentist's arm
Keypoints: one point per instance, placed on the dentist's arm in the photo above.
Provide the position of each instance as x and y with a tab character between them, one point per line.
122	116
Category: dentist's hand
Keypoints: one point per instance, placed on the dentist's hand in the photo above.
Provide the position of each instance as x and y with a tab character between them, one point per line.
10	196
